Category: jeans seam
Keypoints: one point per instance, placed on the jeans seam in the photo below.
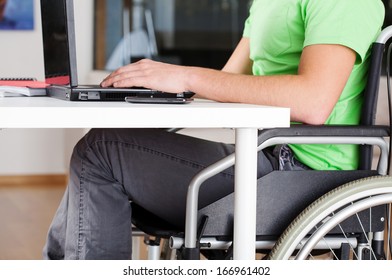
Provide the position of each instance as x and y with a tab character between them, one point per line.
186	162
81	212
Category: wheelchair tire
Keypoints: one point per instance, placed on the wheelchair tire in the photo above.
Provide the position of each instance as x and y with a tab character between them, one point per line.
311	227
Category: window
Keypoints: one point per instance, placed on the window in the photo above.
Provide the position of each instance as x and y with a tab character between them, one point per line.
199	33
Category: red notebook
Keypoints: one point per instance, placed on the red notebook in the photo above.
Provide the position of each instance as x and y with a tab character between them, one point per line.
22	87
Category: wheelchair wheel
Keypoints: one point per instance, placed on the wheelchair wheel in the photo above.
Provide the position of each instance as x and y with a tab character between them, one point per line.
327	224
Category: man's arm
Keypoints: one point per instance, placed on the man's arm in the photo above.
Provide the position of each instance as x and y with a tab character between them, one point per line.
239	62
311	94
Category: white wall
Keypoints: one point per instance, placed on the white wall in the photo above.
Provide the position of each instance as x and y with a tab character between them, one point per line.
41	151
32	151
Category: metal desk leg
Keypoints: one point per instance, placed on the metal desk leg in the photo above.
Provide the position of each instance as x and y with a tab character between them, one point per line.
245	194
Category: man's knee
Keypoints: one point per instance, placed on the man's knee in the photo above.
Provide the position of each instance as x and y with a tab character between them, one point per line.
92	136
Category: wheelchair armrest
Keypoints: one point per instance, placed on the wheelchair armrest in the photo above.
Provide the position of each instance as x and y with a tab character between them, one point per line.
337	134
325	131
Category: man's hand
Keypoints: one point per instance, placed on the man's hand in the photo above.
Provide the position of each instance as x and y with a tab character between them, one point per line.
149	74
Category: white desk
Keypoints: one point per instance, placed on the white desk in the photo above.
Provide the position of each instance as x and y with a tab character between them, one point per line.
44	112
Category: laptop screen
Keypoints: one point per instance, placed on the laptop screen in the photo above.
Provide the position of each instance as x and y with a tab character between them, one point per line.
59	42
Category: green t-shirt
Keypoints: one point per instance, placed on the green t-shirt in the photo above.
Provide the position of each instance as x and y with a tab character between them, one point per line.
279	30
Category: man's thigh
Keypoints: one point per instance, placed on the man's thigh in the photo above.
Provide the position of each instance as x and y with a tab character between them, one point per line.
155	167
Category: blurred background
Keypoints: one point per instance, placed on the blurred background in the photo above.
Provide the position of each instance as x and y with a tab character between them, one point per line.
198	33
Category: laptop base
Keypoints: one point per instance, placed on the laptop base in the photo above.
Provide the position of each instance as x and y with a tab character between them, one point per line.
89	93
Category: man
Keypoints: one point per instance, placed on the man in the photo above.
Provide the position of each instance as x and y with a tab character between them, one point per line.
308	55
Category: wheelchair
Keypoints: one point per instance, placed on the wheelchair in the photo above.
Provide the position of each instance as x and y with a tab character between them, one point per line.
300	214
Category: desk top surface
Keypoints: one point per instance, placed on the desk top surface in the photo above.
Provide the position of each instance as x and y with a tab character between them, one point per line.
45	112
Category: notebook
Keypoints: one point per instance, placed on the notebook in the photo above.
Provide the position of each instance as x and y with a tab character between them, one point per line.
14	87
58	32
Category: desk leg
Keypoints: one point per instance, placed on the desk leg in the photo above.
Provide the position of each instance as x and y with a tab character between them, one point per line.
245	193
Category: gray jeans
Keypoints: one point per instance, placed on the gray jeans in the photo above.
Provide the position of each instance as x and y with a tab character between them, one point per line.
150	167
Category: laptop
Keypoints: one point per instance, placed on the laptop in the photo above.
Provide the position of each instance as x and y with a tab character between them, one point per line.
58	32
